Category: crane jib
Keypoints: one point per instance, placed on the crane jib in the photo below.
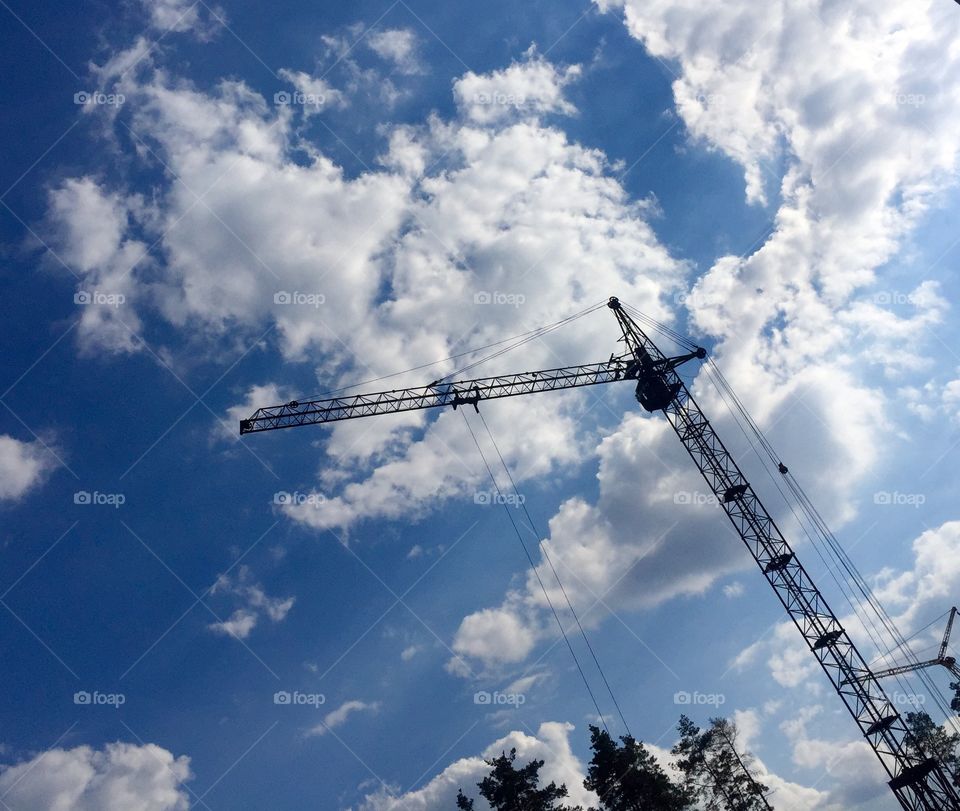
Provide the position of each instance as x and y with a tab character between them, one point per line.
919	782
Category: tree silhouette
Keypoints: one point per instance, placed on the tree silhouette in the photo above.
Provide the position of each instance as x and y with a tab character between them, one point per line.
930	739
508	788
716	772
626	777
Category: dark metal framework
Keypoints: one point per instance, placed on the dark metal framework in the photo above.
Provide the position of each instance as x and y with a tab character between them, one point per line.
437	394
920	783
942	660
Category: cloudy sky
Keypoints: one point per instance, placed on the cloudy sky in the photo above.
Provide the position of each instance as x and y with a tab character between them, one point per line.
210	207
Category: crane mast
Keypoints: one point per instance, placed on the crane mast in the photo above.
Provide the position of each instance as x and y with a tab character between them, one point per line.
919	782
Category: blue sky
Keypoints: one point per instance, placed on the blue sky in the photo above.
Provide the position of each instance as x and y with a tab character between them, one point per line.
780	187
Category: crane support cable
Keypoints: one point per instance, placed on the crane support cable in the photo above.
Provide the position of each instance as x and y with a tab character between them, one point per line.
664	329
868	609
543	588
526	338
543	550
885	619
803	521
918	778
528	335
870	614
913	636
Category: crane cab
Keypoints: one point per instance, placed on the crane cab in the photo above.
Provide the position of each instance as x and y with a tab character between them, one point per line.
654	393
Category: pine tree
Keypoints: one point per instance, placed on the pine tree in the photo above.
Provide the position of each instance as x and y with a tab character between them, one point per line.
508	788
930	739
955	701
716	772
626	777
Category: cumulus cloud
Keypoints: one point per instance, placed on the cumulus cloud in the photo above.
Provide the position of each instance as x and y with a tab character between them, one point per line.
788	314
23	467
89	232
256	604
859	779
531	87
495	242
911	596
551	743
303	247
120	777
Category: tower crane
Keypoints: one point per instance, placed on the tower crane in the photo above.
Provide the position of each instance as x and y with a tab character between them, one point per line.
918	781
949	662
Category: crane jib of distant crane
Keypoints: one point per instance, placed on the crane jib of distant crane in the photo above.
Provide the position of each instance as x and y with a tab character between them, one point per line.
918	781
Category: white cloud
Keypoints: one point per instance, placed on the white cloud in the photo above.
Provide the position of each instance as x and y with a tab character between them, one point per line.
256	604
859	779
339	716
733	590
313	93
23	467
120	777
89	232
789	325
532	87
912	597
520	210
184	15
398	46
519	199
930	585
409	652
256	396
550	744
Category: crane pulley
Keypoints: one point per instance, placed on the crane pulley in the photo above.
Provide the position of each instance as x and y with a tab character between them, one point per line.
919	782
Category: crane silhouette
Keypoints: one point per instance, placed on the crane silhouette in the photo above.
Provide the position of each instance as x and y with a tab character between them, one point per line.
918	781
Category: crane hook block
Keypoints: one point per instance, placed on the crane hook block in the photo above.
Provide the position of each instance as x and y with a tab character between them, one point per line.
733	493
